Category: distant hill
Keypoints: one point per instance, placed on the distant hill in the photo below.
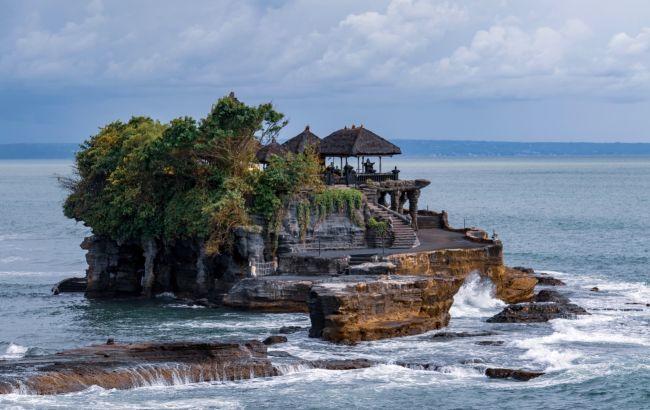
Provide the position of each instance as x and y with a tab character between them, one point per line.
412	148
444	148
38	151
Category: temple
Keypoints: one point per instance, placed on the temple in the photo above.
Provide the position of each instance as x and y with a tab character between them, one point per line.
352	157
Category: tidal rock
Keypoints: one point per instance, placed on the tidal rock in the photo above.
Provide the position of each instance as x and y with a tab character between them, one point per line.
595	289
285	330
420	366
452	335
270	294
124	366
537	312
546	280
342	364
529	271
281	353
369	308
551	296
491	343
521	375
70	285
274	339
205	302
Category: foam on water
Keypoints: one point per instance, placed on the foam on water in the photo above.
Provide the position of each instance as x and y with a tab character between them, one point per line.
475	298
12	351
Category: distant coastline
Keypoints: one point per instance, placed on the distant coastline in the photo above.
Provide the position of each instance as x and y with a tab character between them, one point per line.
410	148
38	151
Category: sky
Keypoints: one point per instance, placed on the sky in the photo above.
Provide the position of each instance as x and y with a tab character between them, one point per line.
519	70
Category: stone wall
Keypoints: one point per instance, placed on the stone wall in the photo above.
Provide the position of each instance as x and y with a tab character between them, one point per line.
335	231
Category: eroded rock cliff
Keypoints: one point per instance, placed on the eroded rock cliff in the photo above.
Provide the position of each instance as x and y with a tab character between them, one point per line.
512	285
369	308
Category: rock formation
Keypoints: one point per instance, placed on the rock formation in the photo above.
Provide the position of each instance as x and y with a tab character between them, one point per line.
512	285
521	375
368	308
270	294
537	312
124	366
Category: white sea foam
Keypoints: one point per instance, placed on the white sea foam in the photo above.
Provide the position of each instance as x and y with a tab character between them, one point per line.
166	295
475	298
551	349
12	351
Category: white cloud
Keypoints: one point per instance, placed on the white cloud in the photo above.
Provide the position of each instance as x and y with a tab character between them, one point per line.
623	44
450	49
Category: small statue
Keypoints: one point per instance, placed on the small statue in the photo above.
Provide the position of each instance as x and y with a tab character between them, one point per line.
368	167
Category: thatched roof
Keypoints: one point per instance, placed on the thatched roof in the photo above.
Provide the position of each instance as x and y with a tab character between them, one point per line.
298	143
273	148
356	141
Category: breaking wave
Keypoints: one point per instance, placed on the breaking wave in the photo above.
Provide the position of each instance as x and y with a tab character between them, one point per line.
12	351
475	298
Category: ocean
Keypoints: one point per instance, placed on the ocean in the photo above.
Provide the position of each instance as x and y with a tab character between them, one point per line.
584	220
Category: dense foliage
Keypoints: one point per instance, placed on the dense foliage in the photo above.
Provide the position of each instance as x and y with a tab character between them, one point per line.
144	180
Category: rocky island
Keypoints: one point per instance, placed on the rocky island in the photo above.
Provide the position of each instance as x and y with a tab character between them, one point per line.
219	213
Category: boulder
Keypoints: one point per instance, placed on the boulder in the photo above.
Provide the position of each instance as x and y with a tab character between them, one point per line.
342	364
70	285
274	339
453	335
369	308
491	343
546	280
521	375
537	312
551	296
285	330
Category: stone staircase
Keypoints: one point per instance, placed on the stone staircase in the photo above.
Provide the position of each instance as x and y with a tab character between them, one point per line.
403	235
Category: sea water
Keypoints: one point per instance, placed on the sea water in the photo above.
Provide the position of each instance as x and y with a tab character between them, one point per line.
585	221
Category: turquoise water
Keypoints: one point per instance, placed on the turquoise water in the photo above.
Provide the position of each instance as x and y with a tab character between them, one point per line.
587	220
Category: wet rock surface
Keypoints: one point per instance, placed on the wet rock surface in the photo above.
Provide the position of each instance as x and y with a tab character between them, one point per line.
342	364
70	285
521	375
370	308
453	335
285	330
275	339
537	312
490	343
124	366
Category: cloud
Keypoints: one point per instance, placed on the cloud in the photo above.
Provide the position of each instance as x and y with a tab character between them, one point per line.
623	45
472	49
506	60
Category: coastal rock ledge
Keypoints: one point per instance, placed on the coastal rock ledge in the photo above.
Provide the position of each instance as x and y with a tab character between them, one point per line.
367	308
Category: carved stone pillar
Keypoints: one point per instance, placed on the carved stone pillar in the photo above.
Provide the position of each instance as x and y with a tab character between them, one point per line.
413	207
394	200
402	201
